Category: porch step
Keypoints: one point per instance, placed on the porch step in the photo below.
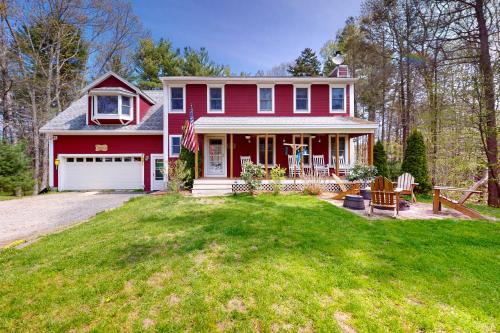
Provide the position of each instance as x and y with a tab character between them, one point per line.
212	187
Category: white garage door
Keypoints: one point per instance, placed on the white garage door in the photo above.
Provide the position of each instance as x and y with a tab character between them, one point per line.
101	173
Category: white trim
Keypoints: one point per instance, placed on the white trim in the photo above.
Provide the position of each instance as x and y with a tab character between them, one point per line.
351	99
223	137
152	169
343	110
309	145
51	161
169	87
255	80
137	110
308	86
119	115
165	132
111	73
260	86
346	142
102	155
103	132
222	87
170	137
274	150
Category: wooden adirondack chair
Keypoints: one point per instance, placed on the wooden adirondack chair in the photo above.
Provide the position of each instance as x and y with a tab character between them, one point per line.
440	199
293	166
320	168
344	191
406	183
384	196
244	160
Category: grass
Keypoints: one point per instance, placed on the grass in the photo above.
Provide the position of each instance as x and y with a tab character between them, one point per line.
483	209
265	263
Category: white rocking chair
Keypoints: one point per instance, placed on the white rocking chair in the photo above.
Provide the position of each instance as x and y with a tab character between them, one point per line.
293	166
320	168
244	160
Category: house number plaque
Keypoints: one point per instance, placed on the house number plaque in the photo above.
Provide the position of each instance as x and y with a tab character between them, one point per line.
101	147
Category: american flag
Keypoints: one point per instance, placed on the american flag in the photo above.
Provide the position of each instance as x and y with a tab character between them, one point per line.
188	137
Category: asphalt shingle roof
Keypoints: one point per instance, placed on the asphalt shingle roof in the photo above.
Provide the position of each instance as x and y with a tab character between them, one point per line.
74	117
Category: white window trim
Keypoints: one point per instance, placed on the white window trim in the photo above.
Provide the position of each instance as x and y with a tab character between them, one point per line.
119	115
170	110
308	86
274	150
170	137
222	97
346	148
309	145
343	110
271	86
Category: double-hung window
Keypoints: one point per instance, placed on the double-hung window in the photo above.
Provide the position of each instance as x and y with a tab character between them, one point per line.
337	99
177	99
261	149
302	99
215	99
343	142
265	99
175	145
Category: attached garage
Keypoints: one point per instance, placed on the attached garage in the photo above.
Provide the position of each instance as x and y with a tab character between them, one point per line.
101	172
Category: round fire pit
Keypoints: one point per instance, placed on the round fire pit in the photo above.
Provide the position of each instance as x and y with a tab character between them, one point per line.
404	205
356	202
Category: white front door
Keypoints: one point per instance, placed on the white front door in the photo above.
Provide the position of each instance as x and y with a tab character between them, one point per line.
215	156
157	173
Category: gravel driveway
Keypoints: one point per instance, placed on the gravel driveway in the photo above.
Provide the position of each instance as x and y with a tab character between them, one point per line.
30	217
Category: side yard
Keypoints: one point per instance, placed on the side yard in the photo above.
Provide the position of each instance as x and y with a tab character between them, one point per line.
265	263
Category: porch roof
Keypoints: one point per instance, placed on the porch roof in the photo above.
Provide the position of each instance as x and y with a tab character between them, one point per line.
254	125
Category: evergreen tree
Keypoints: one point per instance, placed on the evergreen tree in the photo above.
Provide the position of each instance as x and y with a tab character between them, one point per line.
380	159
415	161
188	156
307	64
15	169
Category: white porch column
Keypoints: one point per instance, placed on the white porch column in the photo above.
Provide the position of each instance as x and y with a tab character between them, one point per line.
351	99
51	161
165	132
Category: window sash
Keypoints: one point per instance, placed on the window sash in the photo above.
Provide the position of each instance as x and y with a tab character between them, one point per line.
337	99
215	94
107	105
175	145
126	105
302	99
177	98
266	99
261	156
342	148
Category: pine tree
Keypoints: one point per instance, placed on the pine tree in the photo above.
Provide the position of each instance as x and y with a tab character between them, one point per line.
188	156
307	64
415	161
380	159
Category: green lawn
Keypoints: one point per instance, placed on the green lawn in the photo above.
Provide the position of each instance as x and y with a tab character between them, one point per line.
285	263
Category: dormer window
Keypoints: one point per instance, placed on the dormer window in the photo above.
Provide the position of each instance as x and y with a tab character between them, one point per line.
112	104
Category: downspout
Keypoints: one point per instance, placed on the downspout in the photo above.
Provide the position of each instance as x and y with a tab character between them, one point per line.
165	133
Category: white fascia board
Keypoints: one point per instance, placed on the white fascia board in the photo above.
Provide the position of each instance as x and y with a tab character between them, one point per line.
286	129
100	132
255	80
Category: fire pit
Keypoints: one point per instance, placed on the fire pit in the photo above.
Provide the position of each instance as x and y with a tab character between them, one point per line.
404	205
352	201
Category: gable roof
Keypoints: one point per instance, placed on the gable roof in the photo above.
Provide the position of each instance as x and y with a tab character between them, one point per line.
118	77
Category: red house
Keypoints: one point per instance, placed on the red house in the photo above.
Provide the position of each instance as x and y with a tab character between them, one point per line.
116	136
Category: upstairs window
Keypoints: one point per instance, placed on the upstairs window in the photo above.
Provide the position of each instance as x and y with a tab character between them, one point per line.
265	99
112	107
177	96
337	99
302	99
215	99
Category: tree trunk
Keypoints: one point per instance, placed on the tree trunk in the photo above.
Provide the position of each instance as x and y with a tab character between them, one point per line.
491	146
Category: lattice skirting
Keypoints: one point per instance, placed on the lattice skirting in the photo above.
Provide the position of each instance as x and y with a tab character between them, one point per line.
267	187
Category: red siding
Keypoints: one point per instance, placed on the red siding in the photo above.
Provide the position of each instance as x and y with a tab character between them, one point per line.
112	82
117	144
240	100
320	100
283	103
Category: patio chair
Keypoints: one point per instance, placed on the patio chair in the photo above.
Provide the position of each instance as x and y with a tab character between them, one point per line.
440	199
244	160
293	166
344	167
406	183
384	196
320	168
343	188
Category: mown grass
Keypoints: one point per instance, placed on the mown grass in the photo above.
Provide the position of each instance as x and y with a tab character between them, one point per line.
265	263
483	209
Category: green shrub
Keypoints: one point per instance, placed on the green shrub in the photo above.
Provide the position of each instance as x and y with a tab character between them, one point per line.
380	159
252	175
177	173
277	175
393	169
415	161
16	175
188	157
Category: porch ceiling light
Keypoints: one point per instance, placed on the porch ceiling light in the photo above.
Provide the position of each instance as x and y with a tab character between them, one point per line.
247	137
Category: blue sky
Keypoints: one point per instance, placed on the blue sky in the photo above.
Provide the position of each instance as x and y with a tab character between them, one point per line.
247	35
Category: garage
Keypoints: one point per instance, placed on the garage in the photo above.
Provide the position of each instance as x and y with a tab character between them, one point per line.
101	172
